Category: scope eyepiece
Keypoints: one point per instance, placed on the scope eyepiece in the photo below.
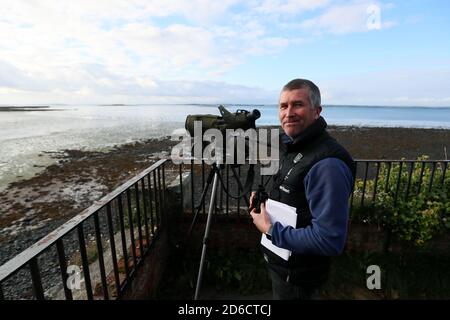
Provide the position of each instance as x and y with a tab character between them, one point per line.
255	114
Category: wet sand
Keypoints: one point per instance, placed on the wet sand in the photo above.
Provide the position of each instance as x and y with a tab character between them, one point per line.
393	143
31	208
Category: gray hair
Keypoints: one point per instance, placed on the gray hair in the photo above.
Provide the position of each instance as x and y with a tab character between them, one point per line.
314	92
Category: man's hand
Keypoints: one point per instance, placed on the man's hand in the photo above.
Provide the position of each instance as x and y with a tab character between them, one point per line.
261	220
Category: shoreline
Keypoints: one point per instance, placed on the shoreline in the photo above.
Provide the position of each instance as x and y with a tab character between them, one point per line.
31	208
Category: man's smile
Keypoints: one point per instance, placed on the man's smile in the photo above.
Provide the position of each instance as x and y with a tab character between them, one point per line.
291	122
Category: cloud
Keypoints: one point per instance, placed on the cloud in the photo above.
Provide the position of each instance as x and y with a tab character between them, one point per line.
62	44
137	49
140	91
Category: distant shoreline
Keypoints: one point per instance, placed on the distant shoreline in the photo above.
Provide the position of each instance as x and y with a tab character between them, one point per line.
218	104
25	108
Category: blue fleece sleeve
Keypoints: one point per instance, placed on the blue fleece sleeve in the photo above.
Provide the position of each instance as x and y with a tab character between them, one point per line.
328	186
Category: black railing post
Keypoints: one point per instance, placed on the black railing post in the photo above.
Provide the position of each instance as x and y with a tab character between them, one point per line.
63	268
388	175
398	182
181	188
160	196
112	243
123	236
138	218
164	188
364	184
203	183
144	201
131	225
192	187
432	176
228	188
375	185
38	291
101	262
152	225
156	192
239	191
422	169
220	201
411	169
444	169
85	262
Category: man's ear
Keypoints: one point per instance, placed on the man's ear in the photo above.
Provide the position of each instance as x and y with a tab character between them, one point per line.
318	111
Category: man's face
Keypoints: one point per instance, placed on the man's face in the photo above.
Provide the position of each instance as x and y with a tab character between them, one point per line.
295	111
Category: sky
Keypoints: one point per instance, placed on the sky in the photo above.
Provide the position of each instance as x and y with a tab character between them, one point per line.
394	53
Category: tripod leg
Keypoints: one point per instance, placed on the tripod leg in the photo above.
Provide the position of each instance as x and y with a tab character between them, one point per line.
202	199
205	239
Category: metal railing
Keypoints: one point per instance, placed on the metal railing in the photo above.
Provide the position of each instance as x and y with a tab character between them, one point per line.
127	220
404	182
141	201
367	169
402	178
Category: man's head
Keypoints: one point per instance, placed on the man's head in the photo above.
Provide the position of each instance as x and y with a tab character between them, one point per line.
299	106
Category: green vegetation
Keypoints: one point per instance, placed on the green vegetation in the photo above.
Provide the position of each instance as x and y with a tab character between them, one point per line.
416	213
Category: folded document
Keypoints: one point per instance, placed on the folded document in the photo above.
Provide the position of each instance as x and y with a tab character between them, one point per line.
284	214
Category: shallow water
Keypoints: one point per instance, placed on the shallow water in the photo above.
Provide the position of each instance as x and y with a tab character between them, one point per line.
27	136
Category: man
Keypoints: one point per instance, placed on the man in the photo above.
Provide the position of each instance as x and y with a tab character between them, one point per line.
316	177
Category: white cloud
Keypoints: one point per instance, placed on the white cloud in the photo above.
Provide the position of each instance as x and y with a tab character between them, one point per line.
144	91
129	49
93	44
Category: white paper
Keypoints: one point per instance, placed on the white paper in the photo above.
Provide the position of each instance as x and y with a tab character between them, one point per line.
284	214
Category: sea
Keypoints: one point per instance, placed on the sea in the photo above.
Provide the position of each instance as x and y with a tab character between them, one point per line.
28	135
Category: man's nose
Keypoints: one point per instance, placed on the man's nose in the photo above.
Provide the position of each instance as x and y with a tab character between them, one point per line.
289	111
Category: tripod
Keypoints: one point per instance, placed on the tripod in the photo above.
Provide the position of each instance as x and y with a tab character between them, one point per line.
214	176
